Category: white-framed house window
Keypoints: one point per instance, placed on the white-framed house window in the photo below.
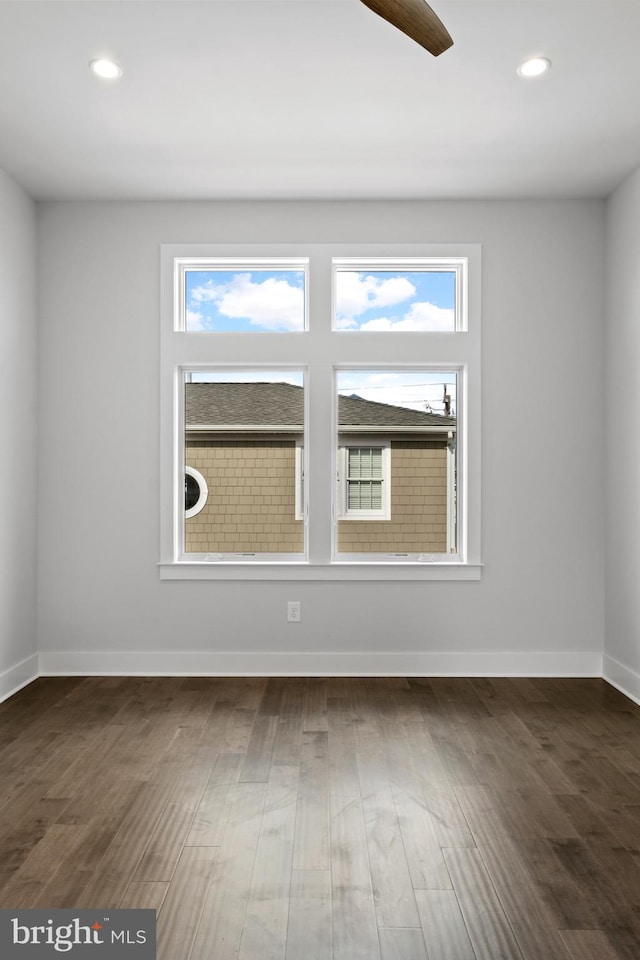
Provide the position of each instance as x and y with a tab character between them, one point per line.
357	392
397	462
431	294
240	295
243	428
195	492
364	479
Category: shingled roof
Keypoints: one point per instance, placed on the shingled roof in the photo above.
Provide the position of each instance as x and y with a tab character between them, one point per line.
281	404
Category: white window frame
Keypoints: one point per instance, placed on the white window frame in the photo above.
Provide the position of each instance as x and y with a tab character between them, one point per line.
321	351
456	265
181	430
344	513
300	480
181	266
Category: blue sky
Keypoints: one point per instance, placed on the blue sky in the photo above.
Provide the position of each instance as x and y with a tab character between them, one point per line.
239	300
397	301
274	300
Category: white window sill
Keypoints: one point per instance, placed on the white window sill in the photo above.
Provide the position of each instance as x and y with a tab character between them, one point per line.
349	570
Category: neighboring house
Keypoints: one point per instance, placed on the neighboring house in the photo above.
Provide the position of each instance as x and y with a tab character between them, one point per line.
244	482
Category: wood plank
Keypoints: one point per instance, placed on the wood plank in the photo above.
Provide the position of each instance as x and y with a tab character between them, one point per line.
589	945
423	852
264	932
180	912
392	888
609	878
126	849
489	930
259	755
286	745
623	937
241	692
443	927
25	886
105	743
531	917
215	729
449	823
214	808
219	931
355	933
145	895
411	763
314	711
309	934
169	837
402	944
238	732
24	827
570	906
311	845
343	767
423	763
79	866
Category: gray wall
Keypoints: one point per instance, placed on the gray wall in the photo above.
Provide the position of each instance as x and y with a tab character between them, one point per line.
622	634
18	433
540	604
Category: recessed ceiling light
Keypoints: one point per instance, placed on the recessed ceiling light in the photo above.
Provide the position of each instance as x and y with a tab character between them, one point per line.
107	69
534	67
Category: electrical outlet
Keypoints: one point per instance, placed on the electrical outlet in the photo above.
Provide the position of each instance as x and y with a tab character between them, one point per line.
293	611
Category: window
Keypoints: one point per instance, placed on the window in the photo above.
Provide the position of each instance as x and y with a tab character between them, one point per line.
195	492
345	444
397	462
242	429
398	297
365	482
251	295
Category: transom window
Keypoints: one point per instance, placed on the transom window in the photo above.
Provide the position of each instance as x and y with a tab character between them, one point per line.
253	295
313	453
399	296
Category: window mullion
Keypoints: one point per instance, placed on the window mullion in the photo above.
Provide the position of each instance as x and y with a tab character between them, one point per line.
320	483
320	420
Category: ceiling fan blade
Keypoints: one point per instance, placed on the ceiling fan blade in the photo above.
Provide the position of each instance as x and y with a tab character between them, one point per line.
417	20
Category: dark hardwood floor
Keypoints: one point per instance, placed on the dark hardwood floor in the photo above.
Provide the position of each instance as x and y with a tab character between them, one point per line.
331	819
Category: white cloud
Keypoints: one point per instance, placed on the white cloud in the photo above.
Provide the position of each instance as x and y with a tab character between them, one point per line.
356	293
421	316
346	323
270	305
195	320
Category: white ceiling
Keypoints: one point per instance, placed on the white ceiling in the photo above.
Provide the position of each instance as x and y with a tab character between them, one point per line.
317	99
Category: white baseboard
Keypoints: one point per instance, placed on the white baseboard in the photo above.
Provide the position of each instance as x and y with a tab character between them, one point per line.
297	664
18	676
623	678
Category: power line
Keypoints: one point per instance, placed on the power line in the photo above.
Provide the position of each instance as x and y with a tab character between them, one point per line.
398	386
